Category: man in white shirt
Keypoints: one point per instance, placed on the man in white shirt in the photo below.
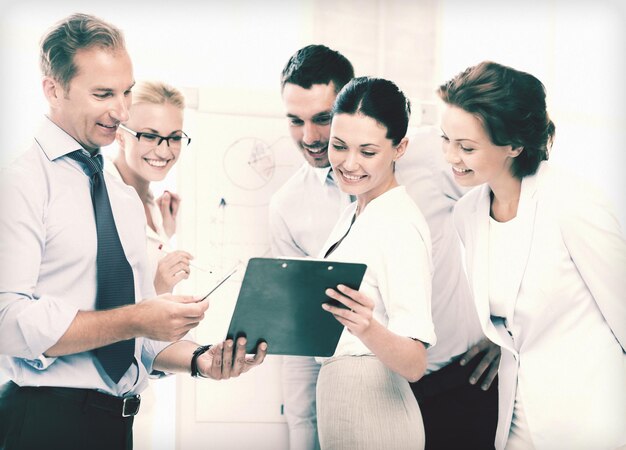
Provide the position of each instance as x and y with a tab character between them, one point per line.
457	413
76	368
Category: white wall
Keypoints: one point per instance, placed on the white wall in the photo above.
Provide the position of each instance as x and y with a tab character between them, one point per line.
578	50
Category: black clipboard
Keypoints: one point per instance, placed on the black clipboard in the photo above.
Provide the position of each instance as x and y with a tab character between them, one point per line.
280	302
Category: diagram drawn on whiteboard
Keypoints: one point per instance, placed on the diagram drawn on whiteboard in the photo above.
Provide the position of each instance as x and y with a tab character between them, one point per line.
250	163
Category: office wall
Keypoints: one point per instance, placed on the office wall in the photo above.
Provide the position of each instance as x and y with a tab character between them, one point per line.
578	50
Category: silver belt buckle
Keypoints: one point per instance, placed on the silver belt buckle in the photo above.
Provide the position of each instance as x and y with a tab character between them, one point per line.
130	405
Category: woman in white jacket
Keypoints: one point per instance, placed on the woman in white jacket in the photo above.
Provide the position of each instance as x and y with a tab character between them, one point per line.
547	262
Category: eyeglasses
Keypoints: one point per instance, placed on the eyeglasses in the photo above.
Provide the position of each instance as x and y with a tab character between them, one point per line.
154	140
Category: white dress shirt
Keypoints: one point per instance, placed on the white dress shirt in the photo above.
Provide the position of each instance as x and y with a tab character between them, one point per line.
392	238
48	247
304	211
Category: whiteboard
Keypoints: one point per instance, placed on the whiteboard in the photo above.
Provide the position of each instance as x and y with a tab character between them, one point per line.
238	158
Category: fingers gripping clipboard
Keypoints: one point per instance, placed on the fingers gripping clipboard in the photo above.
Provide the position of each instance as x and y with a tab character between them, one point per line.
280	302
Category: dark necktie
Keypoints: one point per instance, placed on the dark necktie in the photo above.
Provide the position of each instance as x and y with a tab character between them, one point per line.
330	176
115	282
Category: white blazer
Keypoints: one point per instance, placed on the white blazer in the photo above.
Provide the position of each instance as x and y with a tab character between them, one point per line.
568	311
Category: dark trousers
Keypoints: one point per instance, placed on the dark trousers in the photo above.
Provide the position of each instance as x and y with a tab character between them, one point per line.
456	414
39	418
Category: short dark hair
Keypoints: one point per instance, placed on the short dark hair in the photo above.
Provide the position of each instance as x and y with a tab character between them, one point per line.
317	64
379	99
511	106
64	39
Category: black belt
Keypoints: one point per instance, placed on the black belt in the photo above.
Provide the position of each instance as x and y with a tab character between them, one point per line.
127	406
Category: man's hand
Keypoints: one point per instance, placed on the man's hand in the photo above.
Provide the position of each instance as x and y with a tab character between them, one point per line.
168	203
222	361
490	361
168	317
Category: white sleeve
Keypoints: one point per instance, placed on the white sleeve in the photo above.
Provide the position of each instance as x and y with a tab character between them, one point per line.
592	235
406	283
281	239
28	325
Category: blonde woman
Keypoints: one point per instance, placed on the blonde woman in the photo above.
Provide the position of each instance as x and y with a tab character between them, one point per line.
149	144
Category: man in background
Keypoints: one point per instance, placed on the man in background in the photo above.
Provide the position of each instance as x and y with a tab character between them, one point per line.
81	328
457	412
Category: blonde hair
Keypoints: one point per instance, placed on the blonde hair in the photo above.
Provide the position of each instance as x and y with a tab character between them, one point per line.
158	93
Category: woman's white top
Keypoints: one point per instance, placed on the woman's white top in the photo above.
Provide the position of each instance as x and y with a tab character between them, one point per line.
502	249
502	252
392	238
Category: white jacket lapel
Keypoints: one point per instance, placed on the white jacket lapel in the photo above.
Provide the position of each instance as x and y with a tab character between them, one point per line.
480	268
526	225
480	272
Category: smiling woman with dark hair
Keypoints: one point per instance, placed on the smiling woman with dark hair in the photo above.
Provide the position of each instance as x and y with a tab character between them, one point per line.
363	396
546	260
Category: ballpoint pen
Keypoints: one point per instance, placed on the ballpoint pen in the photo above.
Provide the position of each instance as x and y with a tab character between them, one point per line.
222	280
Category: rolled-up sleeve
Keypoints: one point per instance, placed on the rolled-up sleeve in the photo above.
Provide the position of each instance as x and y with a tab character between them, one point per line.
149	352
30	327
29	324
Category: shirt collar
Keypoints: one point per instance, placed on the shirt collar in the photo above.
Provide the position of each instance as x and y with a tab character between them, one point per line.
54	141
322	173
111	169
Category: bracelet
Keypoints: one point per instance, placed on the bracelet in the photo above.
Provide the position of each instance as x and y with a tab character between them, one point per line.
194	359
